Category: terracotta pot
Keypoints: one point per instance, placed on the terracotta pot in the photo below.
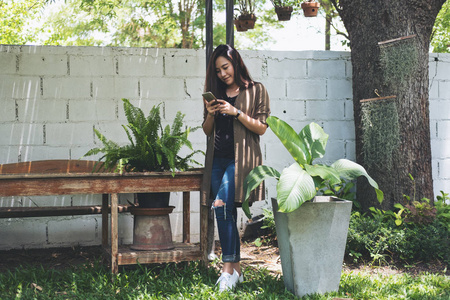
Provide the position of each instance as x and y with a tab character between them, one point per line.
248	20
310	9
240	25
284	12
152	230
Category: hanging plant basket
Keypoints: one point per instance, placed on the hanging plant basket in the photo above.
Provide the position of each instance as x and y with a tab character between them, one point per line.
310	8
284	12
248	20
240	25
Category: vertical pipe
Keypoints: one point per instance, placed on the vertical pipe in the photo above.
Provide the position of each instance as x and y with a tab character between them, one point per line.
209	29
229	22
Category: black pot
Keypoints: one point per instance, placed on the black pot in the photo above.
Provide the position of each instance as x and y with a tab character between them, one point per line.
153	200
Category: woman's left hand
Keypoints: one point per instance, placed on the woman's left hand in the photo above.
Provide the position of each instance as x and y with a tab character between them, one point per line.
227	108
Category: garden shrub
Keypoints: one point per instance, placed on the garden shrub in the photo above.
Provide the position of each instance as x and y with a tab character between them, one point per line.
422	235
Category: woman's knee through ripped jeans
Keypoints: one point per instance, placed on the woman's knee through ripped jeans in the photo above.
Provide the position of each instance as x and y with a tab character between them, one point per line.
222	187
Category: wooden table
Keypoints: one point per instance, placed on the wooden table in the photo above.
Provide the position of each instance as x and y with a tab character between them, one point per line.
29	183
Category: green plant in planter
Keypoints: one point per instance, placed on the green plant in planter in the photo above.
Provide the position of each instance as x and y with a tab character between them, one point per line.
301	181
151	148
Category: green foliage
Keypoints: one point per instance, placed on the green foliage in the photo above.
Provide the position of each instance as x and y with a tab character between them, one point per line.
132	23
399	60
269	221
381	132
246	7
285	3
407	235
443	209
301	181
151	148
15	18
440	38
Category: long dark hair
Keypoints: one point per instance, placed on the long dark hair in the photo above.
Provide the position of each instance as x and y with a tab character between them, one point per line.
241	74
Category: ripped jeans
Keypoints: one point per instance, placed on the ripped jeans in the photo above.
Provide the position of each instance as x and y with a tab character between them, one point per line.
222	187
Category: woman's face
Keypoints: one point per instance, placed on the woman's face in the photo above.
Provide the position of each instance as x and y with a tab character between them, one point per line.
225	70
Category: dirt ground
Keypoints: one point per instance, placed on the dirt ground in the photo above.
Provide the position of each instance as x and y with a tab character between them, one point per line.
264	256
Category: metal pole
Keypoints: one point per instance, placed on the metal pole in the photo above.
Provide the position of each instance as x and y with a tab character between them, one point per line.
229	22
209	30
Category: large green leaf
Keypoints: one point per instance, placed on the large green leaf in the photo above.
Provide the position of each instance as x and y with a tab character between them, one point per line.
315	140
294	188
290	139
325	172
350	170
253	180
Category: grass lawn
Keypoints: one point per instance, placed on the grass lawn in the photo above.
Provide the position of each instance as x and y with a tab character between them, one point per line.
93	280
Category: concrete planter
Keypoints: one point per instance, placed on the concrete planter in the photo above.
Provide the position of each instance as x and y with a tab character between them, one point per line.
312	242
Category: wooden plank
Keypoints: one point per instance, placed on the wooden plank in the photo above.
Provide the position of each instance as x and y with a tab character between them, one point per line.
186	217
378	98
49	166
114	234
89	184
51	211
181	252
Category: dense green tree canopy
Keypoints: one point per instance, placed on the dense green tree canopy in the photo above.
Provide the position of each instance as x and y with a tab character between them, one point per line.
15	17
128	23
150	23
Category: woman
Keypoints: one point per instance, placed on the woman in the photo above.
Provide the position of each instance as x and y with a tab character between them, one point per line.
232	126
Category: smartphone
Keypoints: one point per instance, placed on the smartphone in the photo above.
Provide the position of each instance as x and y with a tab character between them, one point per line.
210	97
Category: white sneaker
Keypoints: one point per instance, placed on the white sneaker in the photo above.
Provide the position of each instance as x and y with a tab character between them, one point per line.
241	278
212	256
227	281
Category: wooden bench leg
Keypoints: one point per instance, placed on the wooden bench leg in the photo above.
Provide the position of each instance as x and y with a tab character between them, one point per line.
114	233
105	202
204	210
186	217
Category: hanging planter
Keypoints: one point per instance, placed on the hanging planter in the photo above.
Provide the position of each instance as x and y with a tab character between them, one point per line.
240	25
284	9
246	20
284	12
310	8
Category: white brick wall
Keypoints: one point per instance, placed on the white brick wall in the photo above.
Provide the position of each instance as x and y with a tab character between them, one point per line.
52	98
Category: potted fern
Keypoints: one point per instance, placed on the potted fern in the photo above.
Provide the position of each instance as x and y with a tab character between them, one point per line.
311	230
152	148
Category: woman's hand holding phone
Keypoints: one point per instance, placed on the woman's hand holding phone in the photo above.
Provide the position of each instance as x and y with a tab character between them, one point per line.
211	102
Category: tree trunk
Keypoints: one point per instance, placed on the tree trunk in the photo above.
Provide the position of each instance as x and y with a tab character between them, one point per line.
397	68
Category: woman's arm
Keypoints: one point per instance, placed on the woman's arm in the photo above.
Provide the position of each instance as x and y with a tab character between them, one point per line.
208	123
250	123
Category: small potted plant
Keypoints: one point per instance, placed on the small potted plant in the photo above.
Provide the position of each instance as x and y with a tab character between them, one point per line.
284	8
246	20
151	148
310	8
311	230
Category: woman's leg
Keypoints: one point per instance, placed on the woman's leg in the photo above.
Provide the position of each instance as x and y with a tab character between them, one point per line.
222	183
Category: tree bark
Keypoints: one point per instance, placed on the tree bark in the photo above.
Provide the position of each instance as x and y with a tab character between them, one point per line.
371	22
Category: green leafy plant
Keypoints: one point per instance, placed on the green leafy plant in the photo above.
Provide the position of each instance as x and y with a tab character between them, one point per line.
285	3
301	181
443	210
151	148
246	7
